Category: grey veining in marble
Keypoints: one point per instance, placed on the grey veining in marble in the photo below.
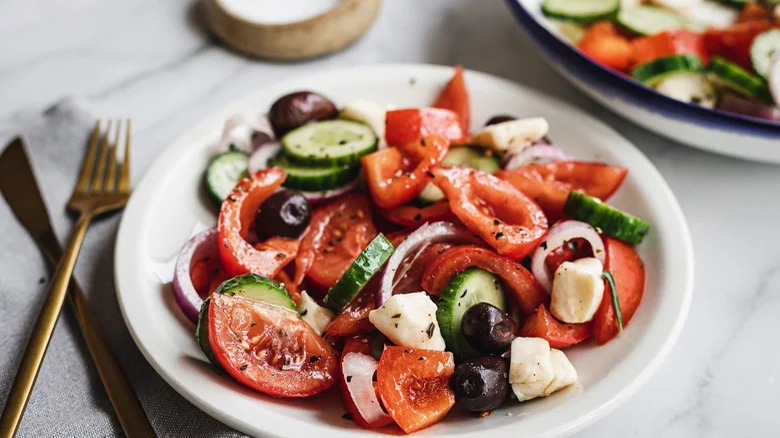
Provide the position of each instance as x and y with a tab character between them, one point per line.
154	62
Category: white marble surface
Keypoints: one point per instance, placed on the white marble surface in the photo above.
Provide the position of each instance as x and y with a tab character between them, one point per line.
153	61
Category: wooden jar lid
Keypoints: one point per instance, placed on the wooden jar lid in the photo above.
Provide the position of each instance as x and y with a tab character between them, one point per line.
324	33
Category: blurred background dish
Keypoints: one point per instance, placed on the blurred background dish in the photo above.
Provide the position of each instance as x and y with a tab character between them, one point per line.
694	125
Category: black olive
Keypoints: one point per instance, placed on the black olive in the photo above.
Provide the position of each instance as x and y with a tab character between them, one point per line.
481	384
297	109
285	213
488	329
500	118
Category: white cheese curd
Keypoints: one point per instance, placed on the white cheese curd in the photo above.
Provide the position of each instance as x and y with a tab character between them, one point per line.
577	290
368	112
530	369
565	374
316	316
512	135
409	320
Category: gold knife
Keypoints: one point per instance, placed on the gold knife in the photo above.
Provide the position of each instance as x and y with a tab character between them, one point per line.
18	186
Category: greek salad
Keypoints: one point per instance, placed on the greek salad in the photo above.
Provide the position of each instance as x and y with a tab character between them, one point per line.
717	54
410	263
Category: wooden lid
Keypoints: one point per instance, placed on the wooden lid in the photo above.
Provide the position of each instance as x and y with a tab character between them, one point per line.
324	33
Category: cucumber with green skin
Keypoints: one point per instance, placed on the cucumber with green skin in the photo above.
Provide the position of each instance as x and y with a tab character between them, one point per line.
467	288
329	143
647	20
309	178
202	333
611	221
461	156
223	173
764	48
653	72
582	11
365	266
738	79
258	288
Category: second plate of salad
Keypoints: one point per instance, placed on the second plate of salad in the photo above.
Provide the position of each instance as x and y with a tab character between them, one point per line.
385	249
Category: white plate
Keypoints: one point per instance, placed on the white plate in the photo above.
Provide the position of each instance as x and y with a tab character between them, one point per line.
167	207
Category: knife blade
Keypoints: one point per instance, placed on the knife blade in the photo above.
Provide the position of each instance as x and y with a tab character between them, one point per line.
20	190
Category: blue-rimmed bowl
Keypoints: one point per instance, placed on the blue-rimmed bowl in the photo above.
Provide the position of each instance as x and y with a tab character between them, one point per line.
709	129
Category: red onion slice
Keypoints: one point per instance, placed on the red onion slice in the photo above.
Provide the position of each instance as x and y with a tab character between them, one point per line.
245	133
736	104
558	235
359	369
202	245
774	75
413	246
259	158
538	152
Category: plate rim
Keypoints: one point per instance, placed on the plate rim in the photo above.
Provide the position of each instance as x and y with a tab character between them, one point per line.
571	425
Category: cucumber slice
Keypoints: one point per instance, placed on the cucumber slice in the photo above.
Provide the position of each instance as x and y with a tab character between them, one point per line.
650	20
609	220
308	178
257	288
738	79
329	143
202	333
464	290
653	72
223	173
462	156
583	11
765	46
368	263
690	87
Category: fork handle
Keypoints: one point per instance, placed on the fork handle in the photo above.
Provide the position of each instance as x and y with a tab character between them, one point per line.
42	331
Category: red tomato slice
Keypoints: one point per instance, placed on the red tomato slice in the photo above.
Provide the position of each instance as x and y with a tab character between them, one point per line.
518	282
357	344
455	97
337	233
670	42
550	183
493	209
353	319
542	324
205	273
411	124
572	250
396	176
235	219
269	349
733	43
289	284
409	215
629	273
414	386
604	44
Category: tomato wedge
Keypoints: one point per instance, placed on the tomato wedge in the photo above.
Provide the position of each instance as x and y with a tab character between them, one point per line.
206	274
410	215
542	324
670	42
629	273
733	43
572	250
493	209
414	386
269	349
337	233
396	176
236	217
411	124
518	282
550	183
604	44
353	319
455	97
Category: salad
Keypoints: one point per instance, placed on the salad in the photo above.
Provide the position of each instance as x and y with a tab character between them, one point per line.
404	260
723	55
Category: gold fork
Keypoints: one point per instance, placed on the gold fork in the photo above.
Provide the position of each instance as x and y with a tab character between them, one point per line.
98	190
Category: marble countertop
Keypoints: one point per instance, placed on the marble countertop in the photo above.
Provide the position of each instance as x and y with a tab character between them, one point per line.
154	62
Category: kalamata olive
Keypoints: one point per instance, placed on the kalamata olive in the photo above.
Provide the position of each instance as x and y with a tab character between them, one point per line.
488	329
299	108
500	118
286	213
481	384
